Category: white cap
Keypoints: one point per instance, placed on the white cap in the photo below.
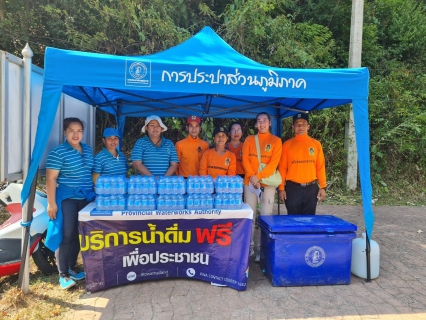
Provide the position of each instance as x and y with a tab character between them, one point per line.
154	117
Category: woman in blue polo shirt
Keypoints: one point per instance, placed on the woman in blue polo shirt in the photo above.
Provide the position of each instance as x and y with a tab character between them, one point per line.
110	161
69	189
154	155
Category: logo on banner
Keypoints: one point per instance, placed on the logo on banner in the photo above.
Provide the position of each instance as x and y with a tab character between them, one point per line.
190	272
138	73
131	276
315	256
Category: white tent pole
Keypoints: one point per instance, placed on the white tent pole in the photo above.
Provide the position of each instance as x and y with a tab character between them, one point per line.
27	54
355	50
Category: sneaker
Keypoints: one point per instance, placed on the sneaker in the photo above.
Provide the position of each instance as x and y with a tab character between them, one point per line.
76	274
257	259
65	281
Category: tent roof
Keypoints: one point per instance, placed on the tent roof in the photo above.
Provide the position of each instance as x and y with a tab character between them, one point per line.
202	76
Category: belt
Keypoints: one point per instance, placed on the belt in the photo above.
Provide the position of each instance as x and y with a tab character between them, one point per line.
304	184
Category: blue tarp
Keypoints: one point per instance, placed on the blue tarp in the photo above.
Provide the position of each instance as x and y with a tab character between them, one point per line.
202	76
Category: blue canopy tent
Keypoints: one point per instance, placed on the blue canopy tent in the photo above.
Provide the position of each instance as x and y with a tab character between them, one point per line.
203	76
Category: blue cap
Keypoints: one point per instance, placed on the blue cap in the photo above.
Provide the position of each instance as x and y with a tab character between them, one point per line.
110	132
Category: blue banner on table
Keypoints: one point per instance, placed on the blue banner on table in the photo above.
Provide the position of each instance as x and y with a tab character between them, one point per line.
130	246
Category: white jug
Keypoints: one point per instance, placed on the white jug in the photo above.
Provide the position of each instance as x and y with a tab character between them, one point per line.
359	258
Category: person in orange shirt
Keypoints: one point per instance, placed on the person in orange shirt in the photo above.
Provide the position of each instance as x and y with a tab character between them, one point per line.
270	153
190	149
302	168
217	160
236	146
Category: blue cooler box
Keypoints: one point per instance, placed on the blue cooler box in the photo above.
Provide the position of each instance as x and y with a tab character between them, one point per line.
306	250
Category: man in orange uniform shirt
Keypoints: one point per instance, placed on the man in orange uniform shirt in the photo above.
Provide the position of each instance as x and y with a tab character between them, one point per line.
190	149
217	160
302	168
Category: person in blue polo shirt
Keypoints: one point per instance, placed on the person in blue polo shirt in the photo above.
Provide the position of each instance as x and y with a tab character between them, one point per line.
154	155
69	189
110	161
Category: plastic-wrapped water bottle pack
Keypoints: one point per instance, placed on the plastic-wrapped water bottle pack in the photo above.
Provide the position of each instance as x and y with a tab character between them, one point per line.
111	185
200	184
229	191
171	185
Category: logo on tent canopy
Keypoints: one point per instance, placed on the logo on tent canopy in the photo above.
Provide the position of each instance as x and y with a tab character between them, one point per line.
138	73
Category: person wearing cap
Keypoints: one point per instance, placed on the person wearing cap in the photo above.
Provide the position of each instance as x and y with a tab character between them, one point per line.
154	155
236	146
270	154
190	149
110	160
218	161
302	168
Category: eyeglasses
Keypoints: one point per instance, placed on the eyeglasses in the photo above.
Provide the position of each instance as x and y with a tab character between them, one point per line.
236	130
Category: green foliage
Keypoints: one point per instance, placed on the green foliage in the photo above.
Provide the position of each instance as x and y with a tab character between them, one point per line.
261	30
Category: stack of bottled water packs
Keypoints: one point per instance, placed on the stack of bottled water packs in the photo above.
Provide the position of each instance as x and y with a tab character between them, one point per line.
117	193
111	193
171	193
142	190
200	192
229	191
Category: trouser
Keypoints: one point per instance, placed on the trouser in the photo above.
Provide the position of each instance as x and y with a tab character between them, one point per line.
267	200
301	200
67	253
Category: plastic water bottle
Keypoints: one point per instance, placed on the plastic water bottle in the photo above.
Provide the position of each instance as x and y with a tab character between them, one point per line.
226	201
209	184
107	185
219	184
189	202
114	202
180	186
162	205
239	185
232	184
130	202
121	202
144	185
122	185
196	184
152	185
161	185
167	185
113	180
151	202
209	201
138	186
238	201
231	201
131	185
107	202
218	201
181	202
190	184
100	185
99	202
137	203
196	201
